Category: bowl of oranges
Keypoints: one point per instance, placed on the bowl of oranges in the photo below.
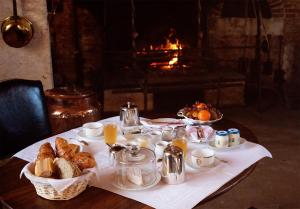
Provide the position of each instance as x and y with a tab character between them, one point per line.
200	113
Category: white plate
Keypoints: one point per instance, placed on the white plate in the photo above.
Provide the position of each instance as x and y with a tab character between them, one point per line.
133	187
82	135
165	120
158	122
211	144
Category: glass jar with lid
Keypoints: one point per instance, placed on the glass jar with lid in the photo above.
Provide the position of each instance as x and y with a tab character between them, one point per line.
135	169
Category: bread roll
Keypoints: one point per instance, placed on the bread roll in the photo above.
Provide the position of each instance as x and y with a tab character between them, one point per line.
84	160
66	169
44	162
46	151
44	167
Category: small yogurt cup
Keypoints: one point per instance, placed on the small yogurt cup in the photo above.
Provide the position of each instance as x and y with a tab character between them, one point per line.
234	137
222	139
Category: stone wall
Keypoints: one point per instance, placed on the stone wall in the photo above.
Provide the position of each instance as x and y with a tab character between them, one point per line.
291	58
34	60
232	39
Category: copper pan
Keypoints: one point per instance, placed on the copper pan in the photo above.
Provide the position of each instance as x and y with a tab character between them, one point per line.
16	31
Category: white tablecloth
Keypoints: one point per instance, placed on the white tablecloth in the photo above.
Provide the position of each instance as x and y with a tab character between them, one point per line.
198	185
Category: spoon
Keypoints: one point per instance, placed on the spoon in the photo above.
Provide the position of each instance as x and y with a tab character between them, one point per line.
83	142
224	161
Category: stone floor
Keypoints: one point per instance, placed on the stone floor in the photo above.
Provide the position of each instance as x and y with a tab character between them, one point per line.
275	183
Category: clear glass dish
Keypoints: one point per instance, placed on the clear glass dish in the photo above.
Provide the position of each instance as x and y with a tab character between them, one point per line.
135	169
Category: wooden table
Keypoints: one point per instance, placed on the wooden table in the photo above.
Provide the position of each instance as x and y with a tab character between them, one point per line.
20	193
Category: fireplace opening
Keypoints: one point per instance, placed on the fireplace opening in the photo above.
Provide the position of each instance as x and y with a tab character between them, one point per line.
151	36
165	32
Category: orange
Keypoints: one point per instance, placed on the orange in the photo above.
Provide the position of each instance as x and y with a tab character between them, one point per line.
201	106
195	114
204	115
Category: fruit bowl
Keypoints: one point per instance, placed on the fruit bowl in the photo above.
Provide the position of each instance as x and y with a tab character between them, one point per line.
193	115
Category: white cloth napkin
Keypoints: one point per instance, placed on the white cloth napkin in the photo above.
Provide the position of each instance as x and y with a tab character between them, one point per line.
198	185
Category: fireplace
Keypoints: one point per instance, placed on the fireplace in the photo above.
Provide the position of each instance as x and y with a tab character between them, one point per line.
163	41
150	50
154	37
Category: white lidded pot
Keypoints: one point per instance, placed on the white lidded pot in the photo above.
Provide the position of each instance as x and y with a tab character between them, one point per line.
222	139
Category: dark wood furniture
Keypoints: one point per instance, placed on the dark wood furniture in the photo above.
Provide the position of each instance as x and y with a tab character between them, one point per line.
23	115
20	193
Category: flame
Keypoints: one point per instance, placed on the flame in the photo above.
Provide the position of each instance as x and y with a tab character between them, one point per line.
173	61
171	48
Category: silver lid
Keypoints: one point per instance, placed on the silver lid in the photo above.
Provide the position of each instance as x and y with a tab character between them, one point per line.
128	105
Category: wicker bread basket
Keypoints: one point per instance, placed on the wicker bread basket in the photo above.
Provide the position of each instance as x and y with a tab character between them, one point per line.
46	190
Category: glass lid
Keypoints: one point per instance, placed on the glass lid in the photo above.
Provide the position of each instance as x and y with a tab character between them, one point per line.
134	155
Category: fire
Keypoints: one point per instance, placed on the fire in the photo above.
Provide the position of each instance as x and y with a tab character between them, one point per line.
168	48
173	61
171	48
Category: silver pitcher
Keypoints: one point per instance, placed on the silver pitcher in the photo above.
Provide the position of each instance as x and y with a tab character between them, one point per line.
173	170
129	115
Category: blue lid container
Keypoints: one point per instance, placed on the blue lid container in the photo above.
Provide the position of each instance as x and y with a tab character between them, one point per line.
222	133
233	131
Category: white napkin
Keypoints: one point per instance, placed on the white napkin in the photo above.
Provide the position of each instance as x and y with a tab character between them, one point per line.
29	153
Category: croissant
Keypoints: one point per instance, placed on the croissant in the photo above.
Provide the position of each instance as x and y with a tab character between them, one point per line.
64	149
84	160
46	151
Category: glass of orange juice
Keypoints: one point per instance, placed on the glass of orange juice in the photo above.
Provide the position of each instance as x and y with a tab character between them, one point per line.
110	130
180	140
181	143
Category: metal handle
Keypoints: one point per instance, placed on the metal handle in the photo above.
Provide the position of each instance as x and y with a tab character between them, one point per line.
15	8
181	114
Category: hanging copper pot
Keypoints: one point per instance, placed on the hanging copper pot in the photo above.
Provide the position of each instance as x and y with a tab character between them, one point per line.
16	31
